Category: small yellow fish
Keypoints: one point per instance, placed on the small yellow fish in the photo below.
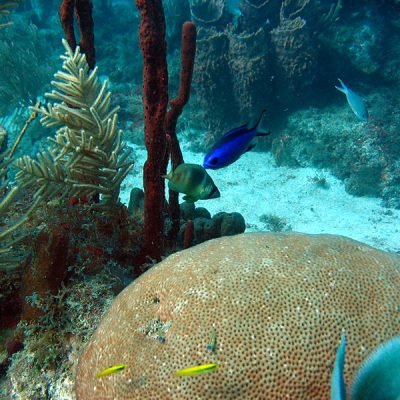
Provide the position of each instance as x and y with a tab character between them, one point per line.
197	370
111	370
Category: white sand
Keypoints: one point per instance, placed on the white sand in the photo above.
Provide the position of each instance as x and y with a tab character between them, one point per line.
254	186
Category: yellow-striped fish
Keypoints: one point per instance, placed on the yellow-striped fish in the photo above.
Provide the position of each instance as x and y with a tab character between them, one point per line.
197	370
111	370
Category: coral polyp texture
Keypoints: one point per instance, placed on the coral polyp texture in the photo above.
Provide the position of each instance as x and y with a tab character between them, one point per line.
276	305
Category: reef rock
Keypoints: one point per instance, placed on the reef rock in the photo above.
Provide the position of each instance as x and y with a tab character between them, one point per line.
278	304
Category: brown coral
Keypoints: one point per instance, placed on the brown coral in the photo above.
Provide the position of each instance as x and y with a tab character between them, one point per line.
296	55
278	303
250	63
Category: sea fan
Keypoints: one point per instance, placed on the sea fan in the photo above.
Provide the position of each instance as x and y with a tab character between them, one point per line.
86	156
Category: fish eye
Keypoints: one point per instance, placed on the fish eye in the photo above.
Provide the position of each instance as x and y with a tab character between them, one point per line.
214	160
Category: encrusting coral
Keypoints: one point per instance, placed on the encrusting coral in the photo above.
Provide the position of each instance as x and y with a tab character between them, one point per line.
87	155
277	303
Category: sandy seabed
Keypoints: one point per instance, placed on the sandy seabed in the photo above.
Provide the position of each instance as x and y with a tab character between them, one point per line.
254	186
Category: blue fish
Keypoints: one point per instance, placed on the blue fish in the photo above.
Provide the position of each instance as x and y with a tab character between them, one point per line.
232	145
378	378
355	101
338	385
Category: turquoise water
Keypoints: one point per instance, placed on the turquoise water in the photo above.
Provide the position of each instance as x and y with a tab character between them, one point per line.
330	165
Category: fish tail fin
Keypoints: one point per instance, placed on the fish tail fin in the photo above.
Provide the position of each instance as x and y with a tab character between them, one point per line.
342	88
259	119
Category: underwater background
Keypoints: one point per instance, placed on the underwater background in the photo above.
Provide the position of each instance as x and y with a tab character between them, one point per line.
82	217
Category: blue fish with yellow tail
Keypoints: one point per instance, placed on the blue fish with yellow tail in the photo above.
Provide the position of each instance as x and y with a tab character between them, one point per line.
378	377
355	101
232	145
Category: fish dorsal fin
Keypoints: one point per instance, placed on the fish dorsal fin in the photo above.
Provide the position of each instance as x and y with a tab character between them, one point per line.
259	120
236	131
243	129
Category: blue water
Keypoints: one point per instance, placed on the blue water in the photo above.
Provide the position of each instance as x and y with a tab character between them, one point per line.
325	166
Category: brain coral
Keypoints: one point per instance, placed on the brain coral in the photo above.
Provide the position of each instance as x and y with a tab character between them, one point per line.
278	304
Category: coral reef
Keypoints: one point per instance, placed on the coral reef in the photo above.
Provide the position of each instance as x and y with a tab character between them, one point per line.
364	156
46	366
206	227
295	53
70	249
360	45
160	126
249	84
87	156
47	270
195	224
88	148
75	229
213	80
278	304
207	12
270	58
256	13
136	203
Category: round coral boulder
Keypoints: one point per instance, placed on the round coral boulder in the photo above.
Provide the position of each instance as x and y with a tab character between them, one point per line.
267	308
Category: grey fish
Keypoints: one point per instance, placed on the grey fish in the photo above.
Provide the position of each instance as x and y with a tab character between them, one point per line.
355	101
